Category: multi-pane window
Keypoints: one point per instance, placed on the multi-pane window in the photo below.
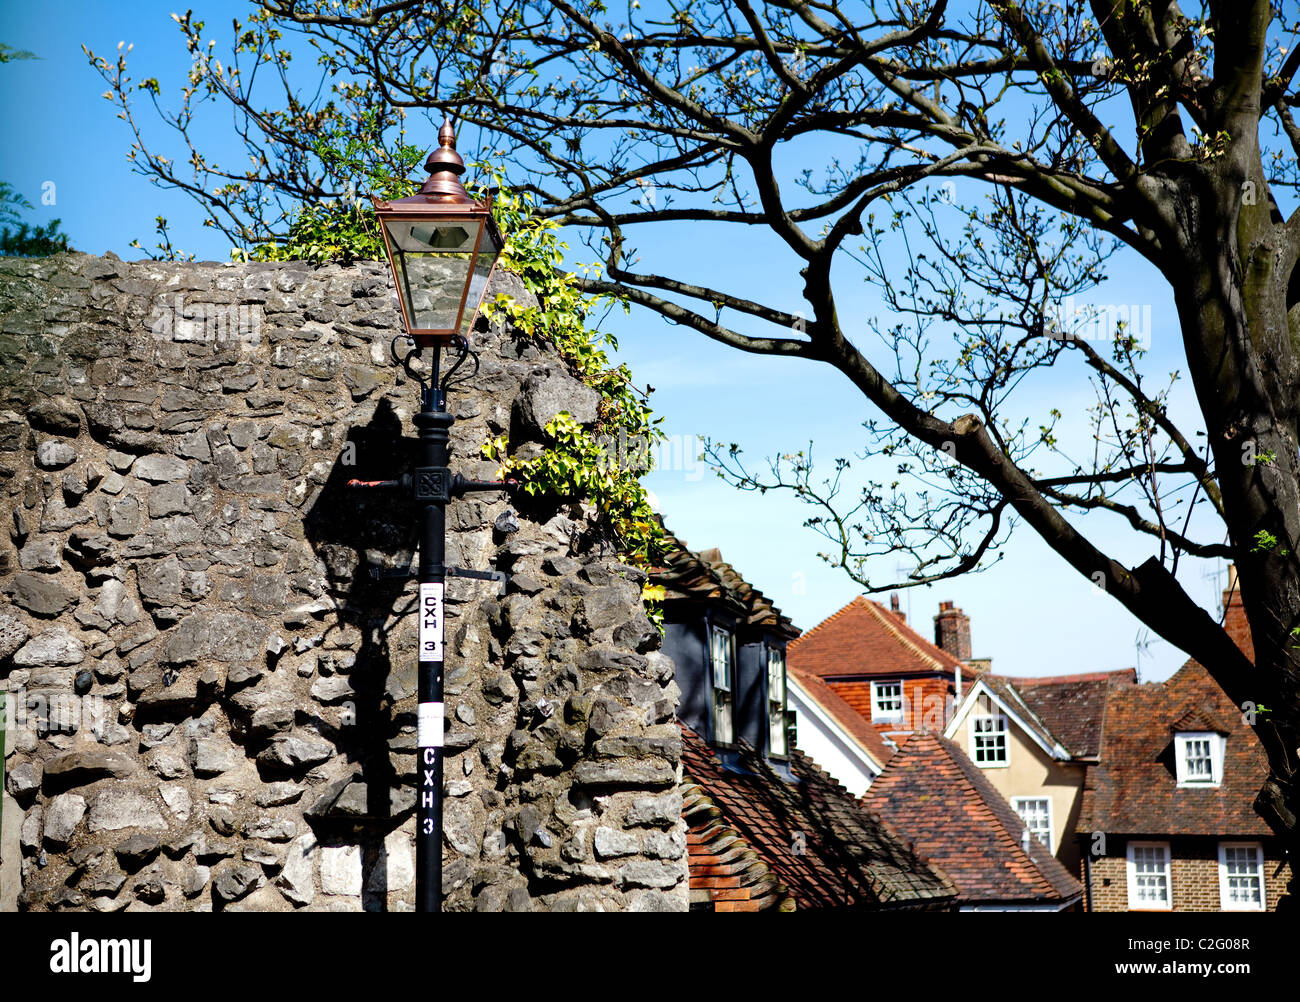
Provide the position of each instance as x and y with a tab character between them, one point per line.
1036	813
1200	764
1199	758
776	701
988	738
886	700
1148	875
722	660
1241	877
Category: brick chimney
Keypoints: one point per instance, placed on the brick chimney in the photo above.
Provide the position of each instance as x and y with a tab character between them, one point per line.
952	631
1234	615
893	606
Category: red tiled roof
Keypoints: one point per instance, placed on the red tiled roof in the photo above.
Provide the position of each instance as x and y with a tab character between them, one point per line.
1134	788
756	839
1125	675
848	716
932	794
724	869
1198	718
865	638
1073	711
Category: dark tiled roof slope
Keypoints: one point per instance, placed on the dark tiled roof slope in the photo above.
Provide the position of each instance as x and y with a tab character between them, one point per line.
1134	788
815	842
933	795
1073	707
865	638
706	577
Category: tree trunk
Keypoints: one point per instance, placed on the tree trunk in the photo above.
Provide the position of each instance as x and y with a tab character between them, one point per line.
1232	297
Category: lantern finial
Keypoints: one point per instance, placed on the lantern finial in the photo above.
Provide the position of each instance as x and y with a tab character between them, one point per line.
445	166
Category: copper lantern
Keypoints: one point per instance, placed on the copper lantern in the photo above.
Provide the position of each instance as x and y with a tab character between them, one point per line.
442	246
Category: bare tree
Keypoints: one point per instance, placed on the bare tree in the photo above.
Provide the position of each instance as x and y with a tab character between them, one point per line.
1117	123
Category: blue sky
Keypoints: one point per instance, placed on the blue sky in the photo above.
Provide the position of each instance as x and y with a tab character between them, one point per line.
1030	613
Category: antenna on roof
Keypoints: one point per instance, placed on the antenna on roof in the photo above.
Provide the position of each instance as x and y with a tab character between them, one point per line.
899	568
1142	642
1215	572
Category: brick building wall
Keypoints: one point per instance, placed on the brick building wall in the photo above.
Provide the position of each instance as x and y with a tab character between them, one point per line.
1194	875
927	703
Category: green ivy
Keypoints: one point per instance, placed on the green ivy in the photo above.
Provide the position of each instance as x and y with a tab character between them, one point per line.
607	461
325	233
1265	542
344	229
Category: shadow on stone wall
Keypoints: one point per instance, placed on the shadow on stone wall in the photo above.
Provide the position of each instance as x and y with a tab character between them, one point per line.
355	532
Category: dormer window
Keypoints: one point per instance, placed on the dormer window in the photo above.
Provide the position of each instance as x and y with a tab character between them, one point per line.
722	661
776	702
1198	758
886	701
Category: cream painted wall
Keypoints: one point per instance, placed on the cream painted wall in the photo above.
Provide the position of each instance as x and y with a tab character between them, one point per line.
826	744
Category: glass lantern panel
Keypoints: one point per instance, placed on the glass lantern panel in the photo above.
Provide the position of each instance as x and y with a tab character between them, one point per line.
422	235
488	252
432	261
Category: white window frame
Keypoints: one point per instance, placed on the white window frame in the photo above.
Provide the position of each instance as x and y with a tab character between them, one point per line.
723	691
1006	738
1131	870
886	716
1224	903
1015	805
776	716
1181	742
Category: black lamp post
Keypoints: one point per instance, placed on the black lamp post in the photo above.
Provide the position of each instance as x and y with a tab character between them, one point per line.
442	246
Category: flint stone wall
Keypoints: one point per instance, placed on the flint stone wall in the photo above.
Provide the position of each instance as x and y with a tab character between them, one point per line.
213	699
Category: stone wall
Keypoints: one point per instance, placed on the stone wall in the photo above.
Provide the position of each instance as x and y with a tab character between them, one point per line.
214	698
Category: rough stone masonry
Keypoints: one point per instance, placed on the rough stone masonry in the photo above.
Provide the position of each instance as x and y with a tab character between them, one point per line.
211	695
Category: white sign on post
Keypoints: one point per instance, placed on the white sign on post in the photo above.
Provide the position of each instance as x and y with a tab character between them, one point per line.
430	725
431	594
